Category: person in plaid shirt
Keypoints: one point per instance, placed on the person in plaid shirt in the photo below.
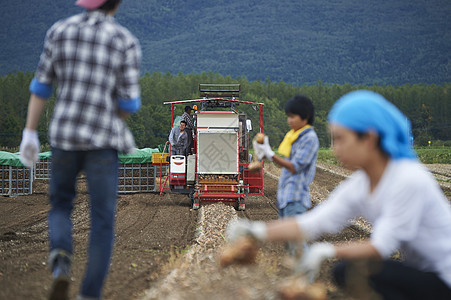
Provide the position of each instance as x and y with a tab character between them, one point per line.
300	147
95	62
186	116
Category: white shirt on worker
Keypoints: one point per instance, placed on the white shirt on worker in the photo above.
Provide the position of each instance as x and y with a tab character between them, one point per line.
408	210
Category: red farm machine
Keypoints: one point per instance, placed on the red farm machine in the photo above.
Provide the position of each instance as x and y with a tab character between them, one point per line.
217	168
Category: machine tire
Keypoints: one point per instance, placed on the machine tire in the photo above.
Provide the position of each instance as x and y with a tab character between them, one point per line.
191	198
196	203
240	205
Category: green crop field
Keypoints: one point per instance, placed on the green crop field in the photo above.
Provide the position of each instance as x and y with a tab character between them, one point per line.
427	155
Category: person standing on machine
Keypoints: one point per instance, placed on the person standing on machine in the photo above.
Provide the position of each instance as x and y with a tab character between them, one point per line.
179	140
189	121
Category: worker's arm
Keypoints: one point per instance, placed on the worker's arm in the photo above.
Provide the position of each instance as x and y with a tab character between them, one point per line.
357	250
30	146
35	107
127	86
284	230
285	163
40	92
171	137
123	114
288	230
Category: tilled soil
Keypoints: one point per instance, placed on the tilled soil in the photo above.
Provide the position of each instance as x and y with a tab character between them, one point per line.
148	228
152	233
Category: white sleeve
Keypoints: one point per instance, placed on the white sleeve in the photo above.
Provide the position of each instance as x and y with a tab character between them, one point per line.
171	137
401	215
333	214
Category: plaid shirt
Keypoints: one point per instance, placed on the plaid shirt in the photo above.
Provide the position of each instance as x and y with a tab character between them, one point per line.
188	119
295	187
95	62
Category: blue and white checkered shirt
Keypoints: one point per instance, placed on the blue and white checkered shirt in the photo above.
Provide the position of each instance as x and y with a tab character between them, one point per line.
95	63
188	119
295	187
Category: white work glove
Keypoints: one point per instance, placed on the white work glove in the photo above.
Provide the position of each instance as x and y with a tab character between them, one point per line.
263	150
243	227
310	262
259	153
29	148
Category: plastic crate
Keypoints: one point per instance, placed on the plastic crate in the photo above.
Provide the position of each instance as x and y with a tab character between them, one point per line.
159	158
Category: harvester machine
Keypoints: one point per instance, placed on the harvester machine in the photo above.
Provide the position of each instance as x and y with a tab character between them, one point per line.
217	167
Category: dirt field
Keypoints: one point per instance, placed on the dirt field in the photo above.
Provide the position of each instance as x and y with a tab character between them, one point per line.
151	231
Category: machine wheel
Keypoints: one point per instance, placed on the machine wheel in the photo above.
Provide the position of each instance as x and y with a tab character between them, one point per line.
241	205
196	203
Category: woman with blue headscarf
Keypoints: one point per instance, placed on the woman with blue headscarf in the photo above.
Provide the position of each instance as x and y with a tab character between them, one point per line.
391	189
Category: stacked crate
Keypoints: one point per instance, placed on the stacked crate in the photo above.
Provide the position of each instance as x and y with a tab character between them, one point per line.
43	168
136	178
15	178
137	172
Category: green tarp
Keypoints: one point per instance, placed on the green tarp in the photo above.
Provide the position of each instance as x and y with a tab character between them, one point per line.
10	159
45	155
138	157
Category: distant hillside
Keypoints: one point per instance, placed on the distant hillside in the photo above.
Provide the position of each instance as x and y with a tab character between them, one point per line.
296	41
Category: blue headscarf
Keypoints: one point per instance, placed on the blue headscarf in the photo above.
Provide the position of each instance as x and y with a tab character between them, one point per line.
364	110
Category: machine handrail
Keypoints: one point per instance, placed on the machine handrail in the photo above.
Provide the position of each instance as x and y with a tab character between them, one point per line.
161	166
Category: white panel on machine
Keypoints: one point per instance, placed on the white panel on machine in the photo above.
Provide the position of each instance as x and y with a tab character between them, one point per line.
218	152
226	119
178	163
191	169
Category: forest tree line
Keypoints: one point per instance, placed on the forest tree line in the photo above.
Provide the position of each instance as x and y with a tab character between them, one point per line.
428	106
360	42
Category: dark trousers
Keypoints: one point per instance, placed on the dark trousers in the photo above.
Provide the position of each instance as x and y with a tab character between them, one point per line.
101	168
388	280
189	132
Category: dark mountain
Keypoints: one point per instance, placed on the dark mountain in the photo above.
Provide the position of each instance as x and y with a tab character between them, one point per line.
296	41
